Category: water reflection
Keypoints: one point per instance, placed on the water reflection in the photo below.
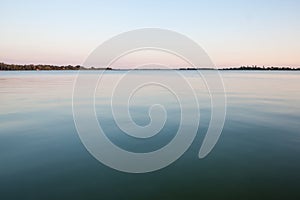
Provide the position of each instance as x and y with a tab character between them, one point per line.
257	155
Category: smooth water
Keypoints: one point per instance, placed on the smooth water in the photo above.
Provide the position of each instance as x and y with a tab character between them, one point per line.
256	157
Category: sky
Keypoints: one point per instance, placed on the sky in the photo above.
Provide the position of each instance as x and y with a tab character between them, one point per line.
233	33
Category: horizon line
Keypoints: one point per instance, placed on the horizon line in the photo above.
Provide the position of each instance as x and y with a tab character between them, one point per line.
125	68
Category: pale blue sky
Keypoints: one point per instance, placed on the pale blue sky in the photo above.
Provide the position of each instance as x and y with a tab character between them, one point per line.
233	33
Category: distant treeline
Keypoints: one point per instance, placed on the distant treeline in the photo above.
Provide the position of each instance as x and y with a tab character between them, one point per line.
254	67
14	67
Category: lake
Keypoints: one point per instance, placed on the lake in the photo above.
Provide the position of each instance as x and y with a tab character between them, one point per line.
256	157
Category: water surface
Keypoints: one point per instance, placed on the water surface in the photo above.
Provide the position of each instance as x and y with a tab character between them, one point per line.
257	156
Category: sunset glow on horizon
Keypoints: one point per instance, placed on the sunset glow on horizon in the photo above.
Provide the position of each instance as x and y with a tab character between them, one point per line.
233	33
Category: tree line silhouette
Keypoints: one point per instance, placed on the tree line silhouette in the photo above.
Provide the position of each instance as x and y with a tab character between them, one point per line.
14	67
255	67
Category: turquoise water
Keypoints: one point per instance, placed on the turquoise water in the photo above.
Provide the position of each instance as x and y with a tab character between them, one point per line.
256	157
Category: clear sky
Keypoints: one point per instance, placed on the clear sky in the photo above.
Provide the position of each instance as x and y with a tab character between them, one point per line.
233	33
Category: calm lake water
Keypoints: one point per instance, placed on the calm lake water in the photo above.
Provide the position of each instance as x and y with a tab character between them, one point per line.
256	157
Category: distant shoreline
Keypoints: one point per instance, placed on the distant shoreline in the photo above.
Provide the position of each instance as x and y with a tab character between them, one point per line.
31	67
